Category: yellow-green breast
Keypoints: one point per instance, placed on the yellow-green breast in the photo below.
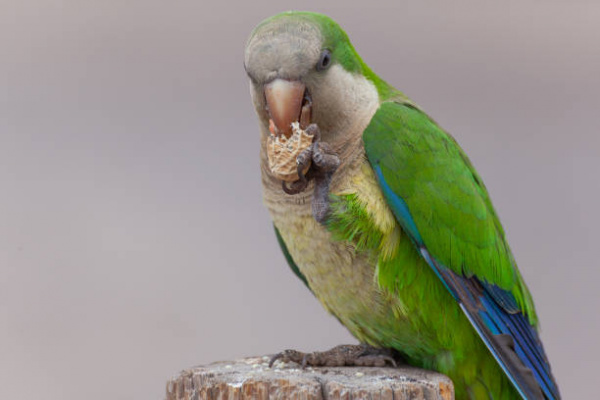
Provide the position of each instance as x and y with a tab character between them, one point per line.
342	279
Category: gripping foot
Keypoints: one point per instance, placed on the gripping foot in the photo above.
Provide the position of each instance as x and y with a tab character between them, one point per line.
339	356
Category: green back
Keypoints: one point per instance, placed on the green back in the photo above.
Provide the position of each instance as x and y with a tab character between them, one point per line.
445	197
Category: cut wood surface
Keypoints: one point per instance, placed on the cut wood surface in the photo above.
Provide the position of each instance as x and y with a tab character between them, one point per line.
251	378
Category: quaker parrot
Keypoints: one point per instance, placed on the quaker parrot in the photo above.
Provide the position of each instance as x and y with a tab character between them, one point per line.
385	219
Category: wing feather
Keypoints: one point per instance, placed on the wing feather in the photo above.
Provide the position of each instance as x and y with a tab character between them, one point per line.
442	204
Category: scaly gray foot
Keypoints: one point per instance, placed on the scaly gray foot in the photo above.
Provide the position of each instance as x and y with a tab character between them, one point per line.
339	356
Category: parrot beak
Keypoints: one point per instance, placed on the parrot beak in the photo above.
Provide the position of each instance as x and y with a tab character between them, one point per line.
284	103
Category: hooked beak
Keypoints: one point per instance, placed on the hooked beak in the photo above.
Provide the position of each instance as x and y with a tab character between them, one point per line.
284	102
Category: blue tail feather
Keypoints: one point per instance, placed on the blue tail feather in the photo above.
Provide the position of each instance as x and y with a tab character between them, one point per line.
504	329
527	344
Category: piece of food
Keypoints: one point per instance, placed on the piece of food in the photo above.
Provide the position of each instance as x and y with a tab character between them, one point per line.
282	152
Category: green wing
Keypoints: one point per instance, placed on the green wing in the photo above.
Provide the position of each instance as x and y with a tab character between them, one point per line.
447	200
289	259
441	203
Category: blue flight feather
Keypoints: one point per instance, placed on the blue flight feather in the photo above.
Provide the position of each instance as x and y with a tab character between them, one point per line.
399	208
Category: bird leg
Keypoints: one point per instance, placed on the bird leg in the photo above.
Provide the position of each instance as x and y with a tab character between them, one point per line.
343	355
324	164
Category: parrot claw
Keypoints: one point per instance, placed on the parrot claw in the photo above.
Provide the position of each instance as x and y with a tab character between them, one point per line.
290	355
343	355
295	187
301	184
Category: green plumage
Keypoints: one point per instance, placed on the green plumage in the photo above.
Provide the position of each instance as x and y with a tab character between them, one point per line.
446	197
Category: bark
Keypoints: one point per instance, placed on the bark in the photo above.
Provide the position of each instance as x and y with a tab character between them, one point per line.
251	378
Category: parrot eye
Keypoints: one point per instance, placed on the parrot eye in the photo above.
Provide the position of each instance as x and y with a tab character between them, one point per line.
324	60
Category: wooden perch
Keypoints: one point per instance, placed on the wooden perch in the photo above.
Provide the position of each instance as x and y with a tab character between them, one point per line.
251	378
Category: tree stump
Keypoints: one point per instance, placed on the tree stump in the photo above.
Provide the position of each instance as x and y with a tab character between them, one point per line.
251	378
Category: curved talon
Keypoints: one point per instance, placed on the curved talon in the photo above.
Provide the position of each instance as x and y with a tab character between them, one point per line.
313	130
276	357
296	186
390	360
291	190
301	176
302	182
381	354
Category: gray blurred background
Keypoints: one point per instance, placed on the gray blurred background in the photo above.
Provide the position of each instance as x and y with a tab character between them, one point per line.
133	241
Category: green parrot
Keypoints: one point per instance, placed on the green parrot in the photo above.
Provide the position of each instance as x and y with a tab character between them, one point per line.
385	219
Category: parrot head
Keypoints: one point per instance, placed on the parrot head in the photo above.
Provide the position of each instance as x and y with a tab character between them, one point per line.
303	68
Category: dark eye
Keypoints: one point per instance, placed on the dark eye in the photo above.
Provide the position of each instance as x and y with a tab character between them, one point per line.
324	60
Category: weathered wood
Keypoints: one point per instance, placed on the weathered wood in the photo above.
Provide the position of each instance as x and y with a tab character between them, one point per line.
251	378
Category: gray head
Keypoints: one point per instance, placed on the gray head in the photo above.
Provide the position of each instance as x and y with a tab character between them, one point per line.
300	59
